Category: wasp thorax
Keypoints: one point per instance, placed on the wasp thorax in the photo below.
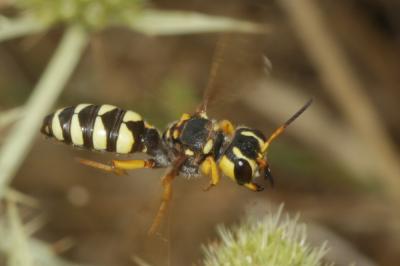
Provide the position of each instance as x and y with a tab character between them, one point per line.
195	133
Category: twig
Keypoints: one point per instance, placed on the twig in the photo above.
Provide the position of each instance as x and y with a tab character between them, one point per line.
13	28
345	89
50	85
10	116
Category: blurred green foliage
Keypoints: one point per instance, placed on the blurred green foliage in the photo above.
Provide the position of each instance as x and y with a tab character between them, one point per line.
92	14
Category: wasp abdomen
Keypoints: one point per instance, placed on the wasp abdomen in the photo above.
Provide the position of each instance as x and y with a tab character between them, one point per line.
97	127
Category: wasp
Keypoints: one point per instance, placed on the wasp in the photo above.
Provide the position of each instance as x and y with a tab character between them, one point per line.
191	146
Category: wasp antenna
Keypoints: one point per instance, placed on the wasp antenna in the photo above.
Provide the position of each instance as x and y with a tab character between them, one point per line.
282	128
298	113
217	60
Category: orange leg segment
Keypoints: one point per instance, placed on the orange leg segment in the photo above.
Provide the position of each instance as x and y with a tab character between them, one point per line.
119	167
167	194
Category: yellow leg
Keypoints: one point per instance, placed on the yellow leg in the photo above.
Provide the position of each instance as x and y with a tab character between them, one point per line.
227	127
133	164
119	167
209	168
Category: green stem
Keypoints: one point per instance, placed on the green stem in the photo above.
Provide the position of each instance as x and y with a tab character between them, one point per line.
13	28
50	85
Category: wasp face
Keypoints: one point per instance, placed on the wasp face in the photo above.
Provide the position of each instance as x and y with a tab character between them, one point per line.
242	159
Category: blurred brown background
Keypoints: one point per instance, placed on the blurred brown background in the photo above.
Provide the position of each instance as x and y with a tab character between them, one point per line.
327	167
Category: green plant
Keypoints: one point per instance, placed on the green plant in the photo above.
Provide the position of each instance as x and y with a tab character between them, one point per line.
270	241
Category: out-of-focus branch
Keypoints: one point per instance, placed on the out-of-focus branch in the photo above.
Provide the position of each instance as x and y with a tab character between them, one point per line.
46	92
13	28
157	22
317	128
10	116
345	89
19	248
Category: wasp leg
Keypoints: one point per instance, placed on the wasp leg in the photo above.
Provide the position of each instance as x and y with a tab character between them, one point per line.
227	127
209	167
101	166
119	167
167	194
253	187
133	164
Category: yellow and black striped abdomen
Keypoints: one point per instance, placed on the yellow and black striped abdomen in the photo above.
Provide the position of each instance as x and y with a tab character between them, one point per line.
97	127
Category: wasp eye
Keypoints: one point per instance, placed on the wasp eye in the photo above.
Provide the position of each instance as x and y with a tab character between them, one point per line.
243	171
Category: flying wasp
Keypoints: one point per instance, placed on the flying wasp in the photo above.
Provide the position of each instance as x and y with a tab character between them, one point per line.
191	146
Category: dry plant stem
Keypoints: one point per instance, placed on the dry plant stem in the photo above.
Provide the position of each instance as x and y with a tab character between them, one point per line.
316	128
50	85
340	81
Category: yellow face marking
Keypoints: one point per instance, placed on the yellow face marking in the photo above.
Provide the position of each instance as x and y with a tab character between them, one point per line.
207	148
125	140
105	108
132	116
189	152
76	131
251	134
79	107
56	125
240	155
147	125
99	135
227	167
168	133
175	134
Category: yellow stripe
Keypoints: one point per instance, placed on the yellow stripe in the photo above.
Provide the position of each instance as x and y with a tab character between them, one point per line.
76	131
240	155
132	116
207	148
56	125
105	108
79	107
99	135
227	167
125	140
251	134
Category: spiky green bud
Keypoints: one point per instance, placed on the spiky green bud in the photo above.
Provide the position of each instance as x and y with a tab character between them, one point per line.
270	241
